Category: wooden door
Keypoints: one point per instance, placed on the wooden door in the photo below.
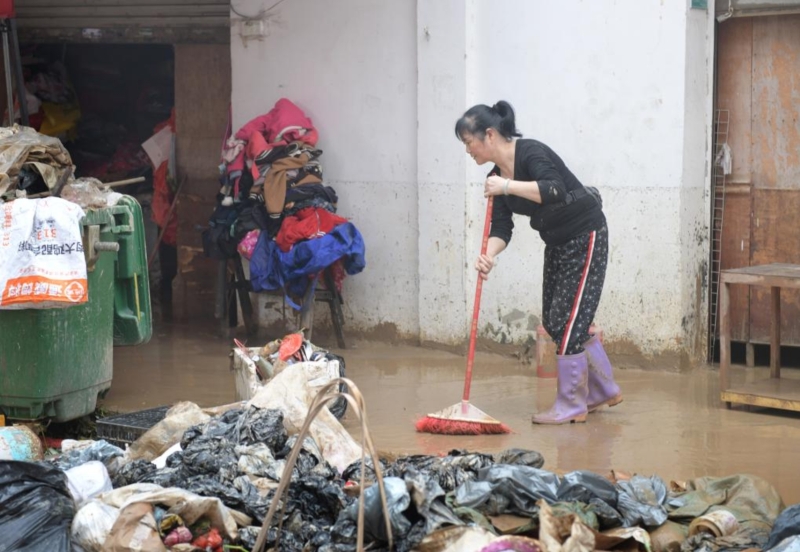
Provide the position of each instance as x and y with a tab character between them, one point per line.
759	81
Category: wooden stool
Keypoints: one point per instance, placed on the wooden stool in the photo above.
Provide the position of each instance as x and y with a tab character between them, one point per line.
239	285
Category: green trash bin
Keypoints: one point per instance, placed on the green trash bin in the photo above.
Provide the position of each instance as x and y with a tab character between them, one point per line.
55	362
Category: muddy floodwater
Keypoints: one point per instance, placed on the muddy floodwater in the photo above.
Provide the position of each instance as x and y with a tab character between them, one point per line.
669	424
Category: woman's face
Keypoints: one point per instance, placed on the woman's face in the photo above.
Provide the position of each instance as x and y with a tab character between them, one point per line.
476	147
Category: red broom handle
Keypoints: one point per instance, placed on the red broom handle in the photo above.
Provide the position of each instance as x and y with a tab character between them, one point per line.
473	332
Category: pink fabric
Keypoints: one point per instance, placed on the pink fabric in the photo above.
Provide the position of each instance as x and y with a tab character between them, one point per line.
248	244
283	116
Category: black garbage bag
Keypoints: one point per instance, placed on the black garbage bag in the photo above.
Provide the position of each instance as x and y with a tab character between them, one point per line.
289	542
310	459
166	477
136	471
505	489
208	486
353	471
520	457
259	461
256	505
317	500
786	525
398	500
428	507
641	501
451	471
262	425
248	536
596	491
212	456
36	508
338	407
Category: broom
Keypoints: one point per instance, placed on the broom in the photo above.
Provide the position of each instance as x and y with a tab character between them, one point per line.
463	418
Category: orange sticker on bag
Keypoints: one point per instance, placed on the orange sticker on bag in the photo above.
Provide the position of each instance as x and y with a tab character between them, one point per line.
37	289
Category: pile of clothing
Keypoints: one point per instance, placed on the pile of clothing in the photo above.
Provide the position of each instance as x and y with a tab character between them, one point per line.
274	209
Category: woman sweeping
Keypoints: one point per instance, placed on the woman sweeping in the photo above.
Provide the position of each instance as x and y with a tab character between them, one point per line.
530	179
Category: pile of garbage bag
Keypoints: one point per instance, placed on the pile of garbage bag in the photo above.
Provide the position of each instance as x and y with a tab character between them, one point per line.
215	491
204	479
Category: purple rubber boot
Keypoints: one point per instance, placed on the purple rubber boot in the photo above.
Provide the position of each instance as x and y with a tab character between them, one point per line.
570	403
603	390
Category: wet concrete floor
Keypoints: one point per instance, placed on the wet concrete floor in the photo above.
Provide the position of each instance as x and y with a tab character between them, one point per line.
670	424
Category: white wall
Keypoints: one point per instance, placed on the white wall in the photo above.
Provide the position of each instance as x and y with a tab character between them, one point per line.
605	84
351	66
621	90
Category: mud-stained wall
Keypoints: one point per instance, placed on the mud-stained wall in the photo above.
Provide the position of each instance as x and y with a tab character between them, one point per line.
627	106
202	100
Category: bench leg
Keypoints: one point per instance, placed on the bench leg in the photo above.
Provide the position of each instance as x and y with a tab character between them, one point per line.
775	337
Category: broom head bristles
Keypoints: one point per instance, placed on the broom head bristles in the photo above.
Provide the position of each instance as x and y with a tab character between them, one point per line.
461	419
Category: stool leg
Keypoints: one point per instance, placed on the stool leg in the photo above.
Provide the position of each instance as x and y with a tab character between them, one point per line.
243	289
307	311
337	315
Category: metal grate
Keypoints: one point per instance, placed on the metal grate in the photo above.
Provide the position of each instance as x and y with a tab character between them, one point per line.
722	119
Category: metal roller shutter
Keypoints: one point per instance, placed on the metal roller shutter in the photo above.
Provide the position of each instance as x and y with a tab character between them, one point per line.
745	8
166	21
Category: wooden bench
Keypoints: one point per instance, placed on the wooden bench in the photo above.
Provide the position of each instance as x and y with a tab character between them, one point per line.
773	392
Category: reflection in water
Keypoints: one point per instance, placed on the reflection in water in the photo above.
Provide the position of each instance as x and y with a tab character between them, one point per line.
670	424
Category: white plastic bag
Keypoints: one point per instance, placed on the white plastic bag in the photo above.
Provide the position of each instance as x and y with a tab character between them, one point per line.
92	524
88	481
292	391
42	264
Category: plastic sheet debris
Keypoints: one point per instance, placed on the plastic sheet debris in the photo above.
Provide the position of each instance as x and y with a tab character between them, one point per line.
36	508
753	501
786	525
22	147
88	193
92	525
